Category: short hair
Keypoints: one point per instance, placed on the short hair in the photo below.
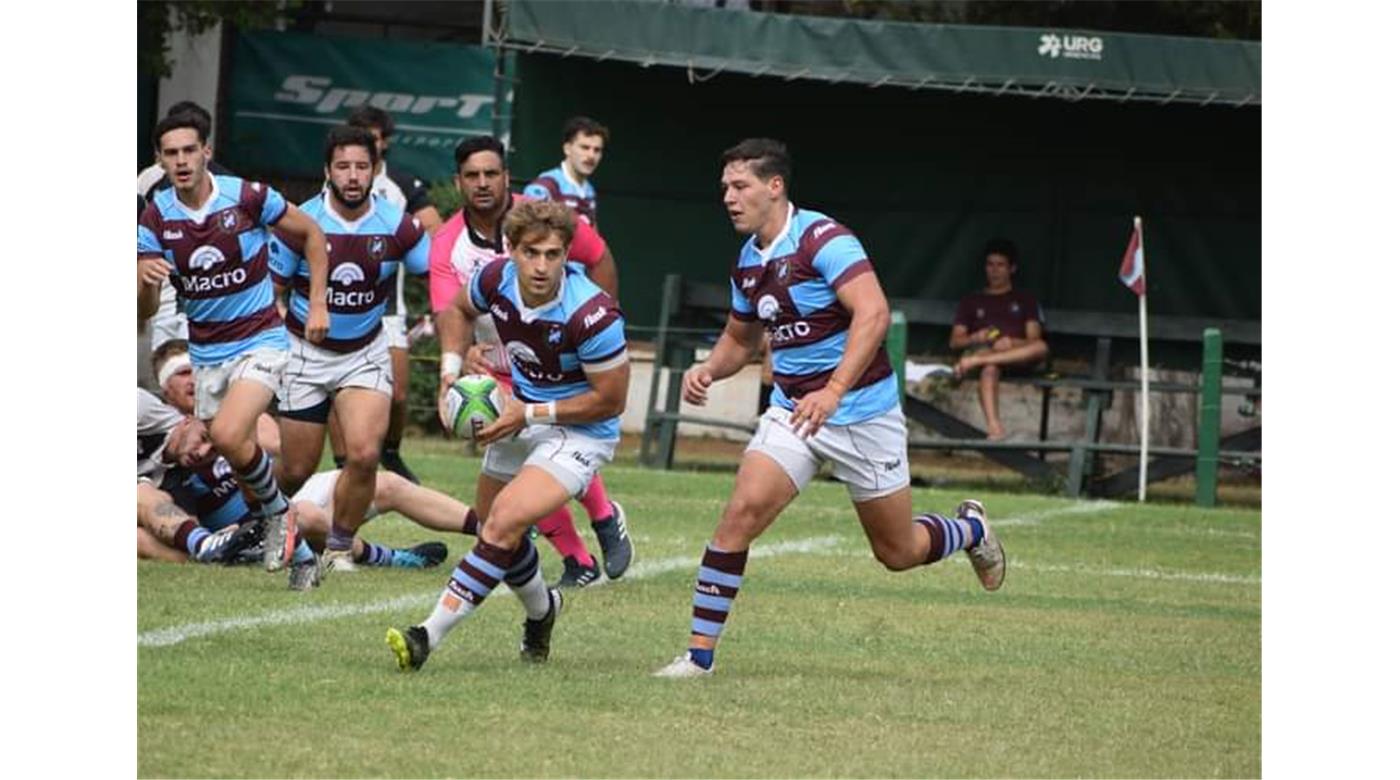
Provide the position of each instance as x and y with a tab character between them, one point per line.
370	117
1001	246
345	135
166	351
766	157
575	125
530	217
479	143
177	122
191	107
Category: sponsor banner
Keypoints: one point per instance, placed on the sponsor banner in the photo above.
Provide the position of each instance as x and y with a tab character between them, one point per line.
285	90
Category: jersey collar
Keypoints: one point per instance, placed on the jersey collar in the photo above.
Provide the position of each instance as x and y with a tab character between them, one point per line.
528	315
564	170
198	215
350	227
767	252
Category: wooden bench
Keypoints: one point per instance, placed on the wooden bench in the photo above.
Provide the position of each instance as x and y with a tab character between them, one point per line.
693	314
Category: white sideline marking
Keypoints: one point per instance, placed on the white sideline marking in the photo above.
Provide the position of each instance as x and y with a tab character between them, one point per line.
174	635
1149	574
1035	518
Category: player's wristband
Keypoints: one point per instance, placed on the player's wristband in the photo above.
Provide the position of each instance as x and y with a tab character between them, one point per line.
451	364
548	418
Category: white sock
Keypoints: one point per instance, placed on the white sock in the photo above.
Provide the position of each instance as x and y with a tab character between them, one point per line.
534	595
447	613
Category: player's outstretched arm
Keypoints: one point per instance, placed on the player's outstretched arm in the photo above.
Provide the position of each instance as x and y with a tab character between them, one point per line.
604	273
305	231
736	346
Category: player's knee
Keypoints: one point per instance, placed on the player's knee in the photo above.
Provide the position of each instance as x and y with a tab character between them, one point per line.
291	476
229	438
362	457
991	373
893	557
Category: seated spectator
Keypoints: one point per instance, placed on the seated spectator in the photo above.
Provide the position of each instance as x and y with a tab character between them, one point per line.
1001	330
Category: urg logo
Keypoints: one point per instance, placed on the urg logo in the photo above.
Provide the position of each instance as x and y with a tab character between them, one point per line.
317	91
1071	47
347	274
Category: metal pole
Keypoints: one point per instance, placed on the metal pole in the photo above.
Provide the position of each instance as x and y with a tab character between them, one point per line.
1208	448
1144	402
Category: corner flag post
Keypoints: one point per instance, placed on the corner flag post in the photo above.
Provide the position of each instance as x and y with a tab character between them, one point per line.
1133	273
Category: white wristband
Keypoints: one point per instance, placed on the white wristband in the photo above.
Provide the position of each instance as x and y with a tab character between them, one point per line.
549	413
451	364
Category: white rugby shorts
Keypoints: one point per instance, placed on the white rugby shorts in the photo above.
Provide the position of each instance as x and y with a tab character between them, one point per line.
320	490
396	326
211	383
569	456
870	457
314	374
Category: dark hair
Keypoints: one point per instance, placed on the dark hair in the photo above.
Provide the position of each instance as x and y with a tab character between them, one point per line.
345	135
532	217
575	125
166	351
371	117
766	157
191	107
1001	246
479	143
176	122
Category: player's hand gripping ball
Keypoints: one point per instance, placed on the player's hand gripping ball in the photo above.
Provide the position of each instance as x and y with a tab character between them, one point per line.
472	403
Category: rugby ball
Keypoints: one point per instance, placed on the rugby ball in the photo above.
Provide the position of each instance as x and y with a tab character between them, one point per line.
472	402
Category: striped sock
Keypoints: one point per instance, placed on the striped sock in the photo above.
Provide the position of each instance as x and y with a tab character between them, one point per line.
372	554
471	524
526	582
717	583
947	536
471	582
303	552
258	477
190	535
340	538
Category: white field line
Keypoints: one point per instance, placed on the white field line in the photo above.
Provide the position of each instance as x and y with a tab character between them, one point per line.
1149	574
164	637
1036	518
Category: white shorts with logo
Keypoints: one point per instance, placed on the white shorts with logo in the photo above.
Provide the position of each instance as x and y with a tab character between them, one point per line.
870	457
569	456
396	326
315	374
211	383
320	490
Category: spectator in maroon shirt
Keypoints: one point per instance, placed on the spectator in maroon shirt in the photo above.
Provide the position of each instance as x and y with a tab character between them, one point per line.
1000	328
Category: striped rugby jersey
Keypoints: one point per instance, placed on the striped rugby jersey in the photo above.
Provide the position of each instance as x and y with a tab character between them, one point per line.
792	288
218	264
554	184
364	259
551	346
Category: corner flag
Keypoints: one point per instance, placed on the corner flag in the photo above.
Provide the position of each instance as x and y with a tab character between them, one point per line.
1133	271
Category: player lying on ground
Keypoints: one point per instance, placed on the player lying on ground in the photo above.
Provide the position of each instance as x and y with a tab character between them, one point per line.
470	240
564	337
806	279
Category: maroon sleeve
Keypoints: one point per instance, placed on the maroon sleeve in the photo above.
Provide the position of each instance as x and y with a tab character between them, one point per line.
409	232
964	316
592	318
150	220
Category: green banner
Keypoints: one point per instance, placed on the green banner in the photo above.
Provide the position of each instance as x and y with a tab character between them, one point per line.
285	90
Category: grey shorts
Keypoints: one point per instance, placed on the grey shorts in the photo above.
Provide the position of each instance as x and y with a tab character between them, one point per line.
211	383
569	456
870	457
314	375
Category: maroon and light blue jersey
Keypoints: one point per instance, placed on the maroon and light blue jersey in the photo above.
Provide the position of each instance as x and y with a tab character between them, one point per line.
554	184
364	261
551	347
210	493
791	287
218	265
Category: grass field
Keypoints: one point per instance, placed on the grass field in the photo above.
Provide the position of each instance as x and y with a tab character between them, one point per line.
1126	643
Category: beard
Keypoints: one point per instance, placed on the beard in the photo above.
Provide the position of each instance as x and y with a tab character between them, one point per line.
346	202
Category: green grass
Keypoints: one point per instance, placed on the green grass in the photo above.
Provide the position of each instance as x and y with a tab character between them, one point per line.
1126	643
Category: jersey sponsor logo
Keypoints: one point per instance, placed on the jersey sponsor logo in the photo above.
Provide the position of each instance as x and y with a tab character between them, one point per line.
221	281
707	588
781	334
748	283
350	299
347	274
768	307
318	91
594	316
173	235
816	234
378	247
206	257
529	363
500	312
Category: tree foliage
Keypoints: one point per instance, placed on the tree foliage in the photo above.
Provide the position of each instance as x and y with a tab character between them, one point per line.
158	20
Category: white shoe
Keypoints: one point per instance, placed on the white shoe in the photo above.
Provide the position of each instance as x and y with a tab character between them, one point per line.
682	668
988	558
337	560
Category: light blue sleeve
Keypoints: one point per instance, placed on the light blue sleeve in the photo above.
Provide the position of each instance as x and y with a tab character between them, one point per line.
536	191
416	261
479	301
604	344
282	261
737	301
274	206
837	257
148	244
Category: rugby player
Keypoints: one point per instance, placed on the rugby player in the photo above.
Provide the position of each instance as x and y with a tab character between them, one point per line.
467	242
568	360
408	193
368	238
807	281
209	233
568	183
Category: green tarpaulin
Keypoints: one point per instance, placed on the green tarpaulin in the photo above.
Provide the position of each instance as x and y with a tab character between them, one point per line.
1071	64
285	90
